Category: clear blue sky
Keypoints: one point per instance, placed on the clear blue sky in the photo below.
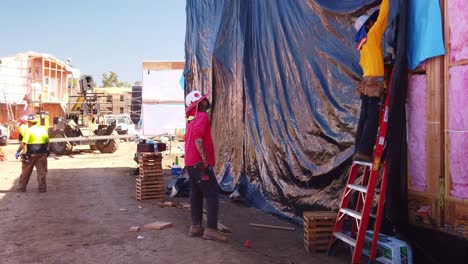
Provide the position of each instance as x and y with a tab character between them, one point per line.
98	35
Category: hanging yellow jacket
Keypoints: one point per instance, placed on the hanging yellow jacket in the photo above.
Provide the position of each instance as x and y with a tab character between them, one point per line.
371	53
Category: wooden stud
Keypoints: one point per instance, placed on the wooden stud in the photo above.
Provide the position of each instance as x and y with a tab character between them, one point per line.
434	124
163	65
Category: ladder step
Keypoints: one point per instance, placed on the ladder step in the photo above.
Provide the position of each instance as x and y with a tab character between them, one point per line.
358	188
348	240
363	163
351	213
362	189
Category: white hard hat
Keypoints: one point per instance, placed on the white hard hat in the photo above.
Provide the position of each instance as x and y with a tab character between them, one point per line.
360	22
194	97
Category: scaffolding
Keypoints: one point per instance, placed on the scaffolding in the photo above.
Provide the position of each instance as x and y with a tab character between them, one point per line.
14	84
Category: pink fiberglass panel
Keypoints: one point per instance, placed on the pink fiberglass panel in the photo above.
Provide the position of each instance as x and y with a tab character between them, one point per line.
417	132
457	130
458	22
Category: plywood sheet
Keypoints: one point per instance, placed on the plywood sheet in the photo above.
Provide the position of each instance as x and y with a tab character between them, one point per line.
161	119
162	85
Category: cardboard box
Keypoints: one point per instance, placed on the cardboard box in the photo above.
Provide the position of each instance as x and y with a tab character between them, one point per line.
389	249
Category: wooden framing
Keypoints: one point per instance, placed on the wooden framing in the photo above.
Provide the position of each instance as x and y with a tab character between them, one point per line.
455	209
163	65
434	124
436	207
424	209
448	181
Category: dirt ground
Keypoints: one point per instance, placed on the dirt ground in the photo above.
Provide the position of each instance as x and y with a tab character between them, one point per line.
90	204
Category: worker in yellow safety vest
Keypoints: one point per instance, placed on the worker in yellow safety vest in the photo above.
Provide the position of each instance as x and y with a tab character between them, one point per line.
370	30
36	140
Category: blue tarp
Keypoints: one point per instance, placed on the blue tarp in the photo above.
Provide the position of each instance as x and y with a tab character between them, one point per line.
343	6
281	75
425	38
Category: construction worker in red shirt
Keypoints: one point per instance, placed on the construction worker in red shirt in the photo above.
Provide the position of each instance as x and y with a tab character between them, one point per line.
36	140
23	122
370	89
199	163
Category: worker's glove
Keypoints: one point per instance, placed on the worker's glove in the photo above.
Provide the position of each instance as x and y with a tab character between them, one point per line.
17	154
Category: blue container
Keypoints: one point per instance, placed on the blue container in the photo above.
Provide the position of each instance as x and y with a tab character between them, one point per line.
176	169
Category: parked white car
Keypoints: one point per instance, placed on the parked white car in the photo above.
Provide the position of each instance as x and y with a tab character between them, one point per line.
4	135
123	126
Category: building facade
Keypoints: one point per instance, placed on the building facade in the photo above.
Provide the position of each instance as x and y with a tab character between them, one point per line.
31	82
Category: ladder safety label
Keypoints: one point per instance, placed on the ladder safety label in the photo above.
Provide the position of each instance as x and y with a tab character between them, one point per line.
381	140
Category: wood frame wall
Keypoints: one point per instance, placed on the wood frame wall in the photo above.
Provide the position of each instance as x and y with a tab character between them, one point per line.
451	213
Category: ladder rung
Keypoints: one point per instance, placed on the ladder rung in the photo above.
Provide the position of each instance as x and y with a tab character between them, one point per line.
348	240
358	188
363	163
351	213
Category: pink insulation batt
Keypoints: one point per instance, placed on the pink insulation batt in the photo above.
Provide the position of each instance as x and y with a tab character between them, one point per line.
458	127
417	132
458	22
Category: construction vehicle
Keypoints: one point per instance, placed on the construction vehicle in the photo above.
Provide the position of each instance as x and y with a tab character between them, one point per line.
82	125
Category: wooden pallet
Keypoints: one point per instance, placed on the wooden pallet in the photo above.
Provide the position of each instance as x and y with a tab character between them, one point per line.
150	187
318	226
151	171
150	165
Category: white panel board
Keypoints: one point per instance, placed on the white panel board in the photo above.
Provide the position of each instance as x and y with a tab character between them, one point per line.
162	85
161	119
160	114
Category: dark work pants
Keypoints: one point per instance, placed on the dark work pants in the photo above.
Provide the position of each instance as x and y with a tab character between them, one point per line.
368	125
203	184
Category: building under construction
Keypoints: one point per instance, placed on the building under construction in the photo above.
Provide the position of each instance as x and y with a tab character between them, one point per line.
31	82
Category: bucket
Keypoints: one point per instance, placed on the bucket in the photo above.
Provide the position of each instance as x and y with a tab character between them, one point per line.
176	169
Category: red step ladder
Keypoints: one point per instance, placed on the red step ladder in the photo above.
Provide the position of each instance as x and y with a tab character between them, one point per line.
367	188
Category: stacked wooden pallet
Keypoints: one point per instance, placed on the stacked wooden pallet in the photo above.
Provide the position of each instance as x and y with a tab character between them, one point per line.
318	226
150	182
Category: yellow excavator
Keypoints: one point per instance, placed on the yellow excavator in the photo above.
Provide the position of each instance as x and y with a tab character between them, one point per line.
82	124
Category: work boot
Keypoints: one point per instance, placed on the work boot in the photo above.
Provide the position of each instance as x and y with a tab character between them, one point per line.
42	190
196	230
19	189
213	234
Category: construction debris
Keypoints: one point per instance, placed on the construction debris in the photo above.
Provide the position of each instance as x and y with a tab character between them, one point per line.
167	204
158	225
134	229
273	227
